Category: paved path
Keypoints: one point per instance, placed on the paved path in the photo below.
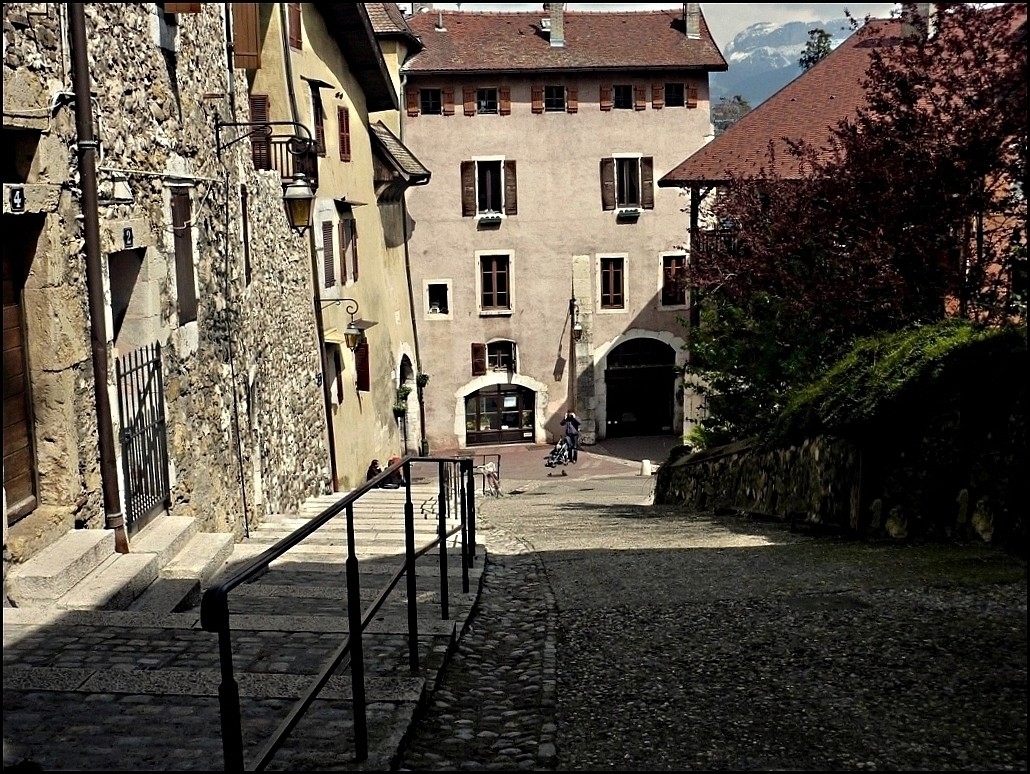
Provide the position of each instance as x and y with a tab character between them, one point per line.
613	635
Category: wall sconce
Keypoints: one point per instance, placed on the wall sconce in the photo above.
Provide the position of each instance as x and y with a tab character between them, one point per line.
353	334
298	191
577	330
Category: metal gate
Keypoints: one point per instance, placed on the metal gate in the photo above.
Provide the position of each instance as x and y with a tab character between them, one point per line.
141	402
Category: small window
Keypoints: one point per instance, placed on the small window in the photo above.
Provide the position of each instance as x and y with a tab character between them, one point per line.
488	186
612	284
248	271
343	125
674	95
500	355
493	275
437	295
622	97
674	280
431	101
486	100
554	98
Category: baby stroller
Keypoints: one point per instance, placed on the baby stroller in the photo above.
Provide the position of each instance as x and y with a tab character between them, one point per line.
561	454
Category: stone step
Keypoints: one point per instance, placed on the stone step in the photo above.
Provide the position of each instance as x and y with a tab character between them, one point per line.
201	558
113	585
51	573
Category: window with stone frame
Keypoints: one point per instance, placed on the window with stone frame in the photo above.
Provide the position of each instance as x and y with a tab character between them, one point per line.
494	283
627	181
613	291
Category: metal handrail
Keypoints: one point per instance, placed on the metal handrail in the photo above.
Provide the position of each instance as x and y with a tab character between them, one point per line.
214	609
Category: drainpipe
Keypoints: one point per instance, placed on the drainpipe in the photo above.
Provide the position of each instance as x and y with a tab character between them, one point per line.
423	446
87	153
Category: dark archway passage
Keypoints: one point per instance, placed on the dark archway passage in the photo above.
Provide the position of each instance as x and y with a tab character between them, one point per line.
641	383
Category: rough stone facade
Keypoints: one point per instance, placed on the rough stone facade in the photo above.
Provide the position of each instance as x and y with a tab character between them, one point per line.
245	422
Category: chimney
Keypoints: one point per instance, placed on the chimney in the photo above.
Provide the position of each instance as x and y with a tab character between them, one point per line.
556	14
692	20
916	20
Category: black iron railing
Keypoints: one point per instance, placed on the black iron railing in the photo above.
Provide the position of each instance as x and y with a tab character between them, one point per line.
456	480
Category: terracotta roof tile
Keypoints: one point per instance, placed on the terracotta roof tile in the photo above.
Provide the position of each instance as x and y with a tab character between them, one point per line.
387	18
804	109
507	42
404	159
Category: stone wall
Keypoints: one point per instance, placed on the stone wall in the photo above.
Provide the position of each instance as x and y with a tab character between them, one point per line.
950	466
245	421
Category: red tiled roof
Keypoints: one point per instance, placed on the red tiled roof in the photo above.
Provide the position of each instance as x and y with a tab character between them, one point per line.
512	42
804	109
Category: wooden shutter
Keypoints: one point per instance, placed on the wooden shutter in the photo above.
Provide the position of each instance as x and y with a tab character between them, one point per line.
647	182
182	7
658	95
606	96
354	249
538	99
411	95
511	188
468	189
572	99
294	24
608	183
260	151
343	122
478	359
319	115
361	369
182	231
691	96
328	256
246	36
344	231
469	99
640	97
448	101
505	100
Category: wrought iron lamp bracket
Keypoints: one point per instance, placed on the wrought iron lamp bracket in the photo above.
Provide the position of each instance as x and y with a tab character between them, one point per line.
297	143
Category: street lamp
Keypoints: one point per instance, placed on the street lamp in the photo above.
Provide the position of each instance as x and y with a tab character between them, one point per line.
577	326
353	334
299	189
299	196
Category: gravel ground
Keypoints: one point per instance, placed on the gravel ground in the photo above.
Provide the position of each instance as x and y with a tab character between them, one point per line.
615	635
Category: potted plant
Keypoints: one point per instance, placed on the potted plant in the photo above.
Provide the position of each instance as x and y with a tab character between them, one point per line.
422	380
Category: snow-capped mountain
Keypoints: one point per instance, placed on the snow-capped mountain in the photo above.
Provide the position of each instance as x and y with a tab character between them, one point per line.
764	58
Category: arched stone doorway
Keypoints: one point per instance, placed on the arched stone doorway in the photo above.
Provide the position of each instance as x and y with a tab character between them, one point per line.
640	381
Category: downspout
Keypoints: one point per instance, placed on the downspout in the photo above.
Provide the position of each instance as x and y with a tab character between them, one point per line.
87	154
423	446
312	248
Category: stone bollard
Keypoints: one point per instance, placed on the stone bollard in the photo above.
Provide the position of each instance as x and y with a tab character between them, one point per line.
645	467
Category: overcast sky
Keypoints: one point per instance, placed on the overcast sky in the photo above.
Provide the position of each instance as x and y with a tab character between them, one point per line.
725	20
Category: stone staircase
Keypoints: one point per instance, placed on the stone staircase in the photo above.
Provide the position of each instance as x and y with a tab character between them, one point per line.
170	562
98	636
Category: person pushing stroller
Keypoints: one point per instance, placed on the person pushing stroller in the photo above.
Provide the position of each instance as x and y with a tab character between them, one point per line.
571	424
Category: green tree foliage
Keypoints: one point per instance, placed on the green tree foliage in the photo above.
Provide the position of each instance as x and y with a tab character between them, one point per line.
913	211
816	49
